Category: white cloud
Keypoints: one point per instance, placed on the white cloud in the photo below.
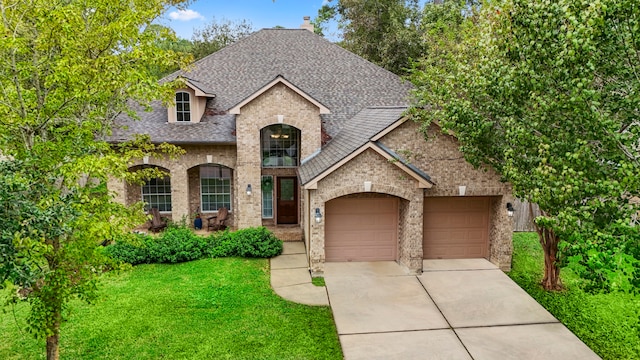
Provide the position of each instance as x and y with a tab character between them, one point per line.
185	15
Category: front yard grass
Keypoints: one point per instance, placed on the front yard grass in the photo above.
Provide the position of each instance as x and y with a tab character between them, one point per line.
608	323
206	309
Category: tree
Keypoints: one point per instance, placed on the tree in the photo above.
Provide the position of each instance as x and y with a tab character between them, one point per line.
216	35
68	68
385	32
168	40
548	94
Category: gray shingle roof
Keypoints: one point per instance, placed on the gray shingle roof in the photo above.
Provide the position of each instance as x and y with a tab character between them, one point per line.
356	132
341	80
211	128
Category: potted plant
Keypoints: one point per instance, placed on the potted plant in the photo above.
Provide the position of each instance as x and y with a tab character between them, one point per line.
197	222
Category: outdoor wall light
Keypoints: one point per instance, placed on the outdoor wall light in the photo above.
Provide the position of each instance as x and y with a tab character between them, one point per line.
318	215
249	189
510	209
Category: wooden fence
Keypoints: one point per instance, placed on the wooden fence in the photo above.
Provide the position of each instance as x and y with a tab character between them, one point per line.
523	217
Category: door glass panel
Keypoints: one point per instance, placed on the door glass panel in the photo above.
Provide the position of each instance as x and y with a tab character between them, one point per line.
286	190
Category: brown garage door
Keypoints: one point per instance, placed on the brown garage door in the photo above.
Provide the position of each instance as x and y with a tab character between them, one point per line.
456	227
361	229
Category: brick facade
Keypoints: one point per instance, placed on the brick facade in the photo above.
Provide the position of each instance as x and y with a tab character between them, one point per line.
386	178
440	158
185	185
263	111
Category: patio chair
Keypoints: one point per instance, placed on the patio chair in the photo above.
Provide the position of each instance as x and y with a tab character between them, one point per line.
216	222
157	223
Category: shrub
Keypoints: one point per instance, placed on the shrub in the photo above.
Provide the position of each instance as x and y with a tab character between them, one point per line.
177	244
130	248
607	322
251	242
222	244
257	242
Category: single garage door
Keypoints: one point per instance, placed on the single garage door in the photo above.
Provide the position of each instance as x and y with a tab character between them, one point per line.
361	229
456	227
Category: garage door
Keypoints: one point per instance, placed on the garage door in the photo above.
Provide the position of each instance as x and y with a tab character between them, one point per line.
456	227
361	229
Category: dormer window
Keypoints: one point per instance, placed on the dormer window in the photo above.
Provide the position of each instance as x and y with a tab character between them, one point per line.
183	106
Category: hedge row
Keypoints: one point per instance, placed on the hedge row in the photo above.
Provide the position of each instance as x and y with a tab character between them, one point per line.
180	244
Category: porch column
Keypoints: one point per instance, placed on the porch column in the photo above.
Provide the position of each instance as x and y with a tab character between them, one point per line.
179	193
117	188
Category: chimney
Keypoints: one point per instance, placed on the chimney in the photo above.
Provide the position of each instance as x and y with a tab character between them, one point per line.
307	25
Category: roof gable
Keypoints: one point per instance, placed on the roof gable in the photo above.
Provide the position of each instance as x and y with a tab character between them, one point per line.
424	182
278	80
358	135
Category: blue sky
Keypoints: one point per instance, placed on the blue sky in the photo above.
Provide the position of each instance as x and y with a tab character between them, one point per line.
261	13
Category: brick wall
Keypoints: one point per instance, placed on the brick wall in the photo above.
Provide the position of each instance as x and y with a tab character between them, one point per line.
185	190
386	179
440	158
256	115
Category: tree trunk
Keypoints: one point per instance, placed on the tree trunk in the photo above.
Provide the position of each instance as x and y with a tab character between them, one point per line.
549	241
53	341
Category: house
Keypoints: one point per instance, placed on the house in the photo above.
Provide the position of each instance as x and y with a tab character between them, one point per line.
288	130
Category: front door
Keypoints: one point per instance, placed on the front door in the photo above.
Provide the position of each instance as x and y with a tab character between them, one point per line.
287	201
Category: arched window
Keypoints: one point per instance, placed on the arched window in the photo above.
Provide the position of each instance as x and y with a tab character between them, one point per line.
215	187
156	193
280	146
183	106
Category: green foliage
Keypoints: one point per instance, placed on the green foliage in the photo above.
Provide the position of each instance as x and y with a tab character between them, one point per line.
545	93
206	309
69	69
131	248
216	35
608	261
257	242
386	33
180	244
177	244
167	40
608	323
318	281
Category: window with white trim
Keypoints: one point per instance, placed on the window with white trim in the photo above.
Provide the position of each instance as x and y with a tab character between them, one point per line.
215	187
267	196
183	106
156	193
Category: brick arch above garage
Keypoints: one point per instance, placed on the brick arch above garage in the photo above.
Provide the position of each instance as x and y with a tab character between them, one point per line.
388	181
370	166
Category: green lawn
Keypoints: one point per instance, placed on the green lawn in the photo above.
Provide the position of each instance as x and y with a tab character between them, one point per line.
608	323
206	309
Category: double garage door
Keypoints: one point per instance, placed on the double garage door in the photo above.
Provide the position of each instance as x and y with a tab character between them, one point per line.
366	229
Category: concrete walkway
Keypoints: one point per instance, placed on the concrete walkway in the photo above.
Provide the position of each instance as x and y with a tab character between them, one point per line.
290	277
457	309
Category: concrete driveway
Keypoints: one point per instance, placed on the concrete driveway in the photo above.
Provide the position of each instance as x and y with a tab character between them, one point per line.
457	309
